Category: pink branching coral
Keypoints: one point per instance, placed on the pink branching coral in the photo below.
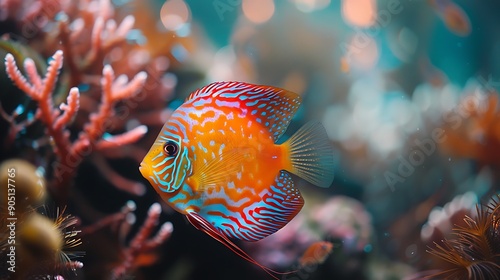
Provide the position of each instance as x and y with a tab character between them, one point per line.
141	243
91	34
142	246
70	154
112	86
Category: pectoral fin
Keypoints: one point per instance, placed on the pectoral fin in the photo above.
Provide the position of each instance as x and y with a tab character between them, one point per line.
223	168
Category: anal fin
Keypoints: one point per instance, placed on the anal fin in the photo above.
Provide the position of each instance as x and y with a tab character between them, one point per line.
202	224
277	207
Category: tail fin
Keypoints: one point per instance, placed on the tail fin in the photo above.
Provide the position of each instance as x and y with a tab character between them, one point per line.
311	155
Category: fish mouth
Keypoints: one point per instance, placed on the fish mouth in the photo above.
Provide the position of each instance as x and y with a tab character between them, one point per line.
145	170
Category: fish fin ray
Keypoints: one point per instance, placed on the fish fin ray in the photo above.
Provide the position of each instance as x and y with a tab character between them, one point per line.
311	155
205	226
274	211
272	107
223	168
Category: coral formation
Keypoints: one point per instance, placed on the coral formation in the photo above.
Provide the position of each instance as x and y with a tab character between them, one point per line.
44	245
140	244
102	84
474	251
479	134
68	155
398	85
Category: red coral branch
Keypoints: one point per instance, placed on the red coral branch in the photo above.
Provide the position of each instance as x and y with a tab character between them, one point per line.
124	27
64	34
41	91
30	67
70	109
112	220
15	127
70	155
94	130
162	235
18	78
95	41
124	91
128	137
141	243
50	79
114	36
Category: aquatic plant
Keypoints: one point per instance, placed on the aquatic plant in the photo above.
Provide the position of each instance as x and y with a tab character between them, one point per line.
474	253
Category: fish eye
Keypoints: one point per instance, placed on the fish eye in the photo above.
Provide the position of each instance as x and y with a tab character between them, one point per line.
171	148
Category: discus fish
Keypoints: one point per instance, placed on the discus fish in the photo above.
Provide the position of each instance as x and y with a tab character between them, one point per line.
217	162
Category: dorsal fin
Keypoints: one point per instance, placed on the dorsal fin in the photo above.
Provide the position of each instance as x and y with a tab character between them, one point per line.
271	107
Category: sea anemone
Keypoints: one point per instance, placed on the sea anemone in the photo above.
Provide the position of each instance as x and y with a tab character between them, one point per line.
44	244
474	253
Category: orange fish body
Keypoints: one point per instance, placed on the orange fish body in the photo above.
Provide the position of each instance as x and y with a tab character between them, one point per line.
316	253
453	16
216	161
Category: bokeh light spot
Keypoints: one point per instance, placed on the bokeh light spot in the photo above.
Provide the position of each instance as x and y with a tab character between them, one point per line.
363	55
296	82
174	14
308	6
258	11
361	13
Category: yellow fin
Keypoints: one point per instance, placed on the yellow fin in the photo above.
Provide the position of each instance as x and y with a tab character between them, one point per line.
312	155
